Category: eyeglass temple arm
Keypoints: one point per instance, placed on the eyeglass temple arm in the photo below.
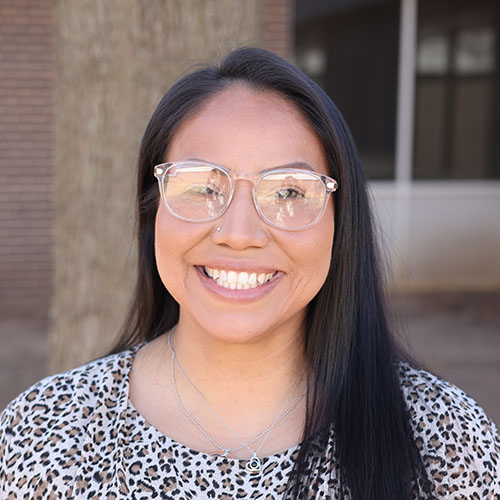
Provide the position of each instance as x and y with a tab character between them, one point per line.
331	184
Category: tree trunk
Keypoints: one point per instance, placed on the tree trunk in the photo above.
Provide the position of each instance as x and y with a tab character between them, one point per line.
114	61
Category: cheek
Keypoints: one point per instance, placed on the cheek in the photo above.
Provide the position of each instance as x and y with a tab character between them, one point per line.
320	259
312	251
162	249
167	252
323	236
175	242
321	252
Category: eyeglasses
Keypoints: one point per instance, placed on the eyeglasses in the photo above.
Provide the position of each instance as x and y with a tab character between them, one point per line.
285	198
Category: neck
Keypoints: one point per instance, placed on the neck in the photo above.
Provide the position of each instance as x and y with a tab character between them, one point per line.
249	384
272	359
246	383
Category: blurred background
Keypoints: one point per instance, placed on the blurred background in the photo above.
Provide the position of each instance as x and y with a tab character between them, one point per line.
417	80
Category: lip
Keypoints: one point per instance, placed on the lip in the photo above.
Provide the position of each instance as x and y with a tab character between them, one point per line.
249	295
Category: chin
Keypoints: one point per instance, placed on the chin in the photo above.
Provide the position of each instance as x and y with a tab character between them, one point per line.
237	331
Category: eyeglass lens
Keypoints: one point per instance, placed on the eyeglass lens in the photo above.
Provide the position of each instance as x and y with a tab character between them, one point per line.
289	199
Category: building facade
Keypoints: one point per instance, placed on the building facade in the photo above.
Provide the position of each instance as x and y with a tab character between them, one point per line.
417	80
419	84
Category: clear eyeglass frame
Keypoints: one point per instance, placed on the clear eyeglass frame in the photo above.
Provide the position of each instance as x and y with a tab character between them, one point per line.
161	171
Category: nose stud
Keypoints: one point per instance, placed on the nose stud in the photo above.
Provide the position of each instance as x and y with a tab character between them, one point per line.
218	229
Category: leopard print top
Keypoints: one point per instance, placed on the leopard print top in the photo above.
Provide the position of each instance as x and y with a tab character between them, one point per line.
76	435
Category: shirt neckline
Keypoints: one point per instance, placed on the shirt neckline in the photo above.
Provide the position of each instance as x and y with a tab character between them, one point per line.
129	410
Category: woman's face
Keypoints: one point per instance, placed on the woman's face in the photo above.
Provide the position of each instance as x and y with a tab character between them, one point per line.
247	131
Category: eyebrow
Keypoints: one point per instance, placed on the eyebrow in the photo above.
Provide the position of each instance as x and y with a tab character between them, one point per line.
297	164
294	164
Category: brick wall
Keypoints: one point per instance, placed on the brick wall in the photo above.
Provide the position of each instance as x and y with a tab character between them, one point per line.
278	28
26	156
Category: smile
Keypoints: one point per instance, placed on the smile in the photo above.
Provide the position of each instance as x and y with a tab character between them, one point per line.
236	280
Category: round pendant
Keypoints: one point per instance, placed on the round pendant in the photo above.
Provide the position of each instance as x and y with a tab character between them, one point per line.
253	465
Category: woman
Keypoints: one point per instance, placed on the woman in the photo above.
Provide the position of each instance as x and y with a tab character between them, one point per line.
256	361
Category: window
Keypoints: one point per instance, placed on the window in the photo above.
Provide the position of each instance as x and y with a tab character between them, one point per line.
350	47
457	98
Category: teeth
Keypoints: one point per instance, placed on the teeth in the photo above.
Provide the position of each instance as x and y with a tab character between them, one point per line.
238	280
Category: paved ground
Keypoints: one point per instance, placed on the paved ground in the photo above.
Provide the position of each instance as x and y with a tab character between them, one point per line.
23	356
456	336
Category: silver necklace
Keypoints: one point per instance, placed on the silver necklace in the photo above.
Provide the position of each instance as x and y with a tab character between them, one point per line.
254	465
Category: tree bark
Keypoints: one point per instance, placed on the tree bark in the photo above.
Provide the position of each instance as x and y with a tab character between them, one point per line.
114	61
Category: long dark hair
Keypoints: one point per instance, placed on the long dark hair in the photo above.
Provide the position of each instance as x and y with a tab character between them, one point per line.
354	386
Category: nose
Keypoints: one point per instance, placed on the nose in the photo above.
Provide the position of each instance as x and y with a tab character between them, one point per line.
241	226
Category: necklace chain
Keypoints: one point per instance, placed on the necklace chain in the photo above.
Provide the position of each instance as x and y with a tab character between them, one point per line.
254	464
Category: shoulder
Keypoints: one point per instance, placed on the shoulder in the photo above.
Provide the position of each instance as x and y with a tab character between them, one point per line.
437	401
459	444
78	388
62	402
45	431
427	393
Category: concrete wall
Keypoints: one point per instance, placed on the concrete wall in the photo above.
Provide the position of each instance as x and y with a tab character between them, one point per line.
114	61
441	235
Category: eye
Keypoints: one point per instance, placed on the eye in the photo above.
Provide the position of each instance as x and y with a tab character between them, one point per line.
194	190
214	189
289	193
203	190
210	191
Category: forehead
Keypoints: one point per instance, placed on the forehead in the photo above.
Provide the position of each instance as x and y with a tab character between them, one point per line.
248	130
